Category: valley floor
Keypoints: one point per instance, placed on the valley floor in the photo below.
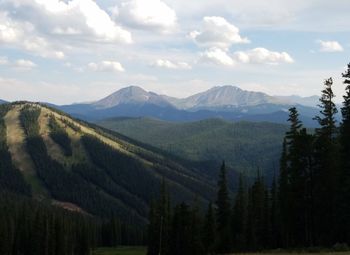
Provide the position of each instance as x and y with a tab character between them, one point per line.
143	251
121	251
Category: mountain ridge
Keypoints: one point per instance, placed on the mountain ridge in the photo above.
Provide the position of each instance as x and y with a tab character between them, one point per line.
75	163
228	102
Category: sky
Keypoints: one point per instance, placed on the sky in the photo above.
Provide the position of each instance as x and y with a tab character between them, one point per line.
82	50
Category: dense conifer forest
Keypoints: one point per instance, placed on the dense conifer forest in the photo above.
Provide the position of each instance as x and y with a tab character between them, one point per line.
306	206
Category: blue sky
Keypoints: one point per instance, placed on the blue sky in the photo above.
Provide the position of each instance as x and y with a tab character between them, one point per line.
82	50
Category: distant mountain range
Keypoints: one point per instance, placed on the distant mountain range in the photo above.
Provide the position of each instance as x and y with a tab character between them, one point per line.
2	101
311	101
226	102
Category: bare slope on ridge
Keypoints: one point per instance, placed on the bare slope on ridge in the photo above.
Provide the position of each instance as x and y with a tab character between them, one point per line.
20	158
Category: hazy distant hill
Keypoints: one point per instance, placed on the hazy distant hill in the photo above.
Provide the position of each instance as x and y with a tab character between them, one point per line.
131	95
2	101
225	97
311	101
244	145
227	102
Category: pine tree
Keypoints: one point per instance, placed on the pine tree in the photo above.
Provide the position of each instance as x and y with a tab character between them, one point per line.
274	235
197	247
223	214
297	175
239	217
325	174
159	227
283	197
343	221
209	230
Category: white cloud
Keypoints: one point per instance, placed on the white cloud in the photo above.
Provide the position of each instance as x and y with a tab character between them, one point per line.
217	32
150	14
76	17
217	56
22	34
330	46
50	28
24	64
253	56
4	61
21	64
262	56
171	64
106	66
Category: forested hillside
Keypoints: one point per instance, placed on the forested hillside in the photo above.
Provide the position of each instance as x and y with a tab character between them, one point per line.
245	146
59	161
305	208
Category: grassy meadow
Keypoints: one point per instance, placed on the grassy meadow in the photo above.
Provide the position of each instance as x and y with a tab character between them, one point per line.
143	251
121	251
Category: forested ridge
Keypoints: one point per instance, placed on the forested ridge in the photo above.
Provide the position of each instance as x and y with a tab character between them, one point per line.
305	207
106	181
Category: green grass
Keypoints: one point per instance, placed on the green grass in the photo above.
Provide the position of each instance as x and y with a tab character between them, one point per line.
143	251
121	251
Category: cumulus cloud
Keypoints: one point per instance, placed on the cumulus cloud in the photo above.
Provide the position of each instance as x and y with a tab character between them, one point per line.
253	56
106	66
330	46
164	63
66	23
150	14
262	56
72	18
24	64
4	61
217	32
22	34
217	56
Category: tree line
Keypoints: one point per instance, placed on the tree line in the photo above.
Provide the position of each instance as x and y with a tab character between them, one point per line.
30	227
307	204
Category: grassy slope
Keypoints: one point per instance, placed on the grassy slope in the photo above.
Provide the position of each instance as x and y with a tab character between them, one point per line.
244	145
184	181
20	157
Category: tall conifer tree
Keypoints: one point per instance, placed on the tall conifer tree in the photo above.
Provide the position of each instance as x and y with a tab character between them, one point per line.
326	168
223	214
344	184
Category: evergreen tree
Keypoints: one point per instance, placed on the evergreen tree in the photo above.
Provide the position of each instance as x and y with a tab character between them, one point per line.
283	197
196	247
160	222
209	230
223	214
257	216
239	218
344	181
297	177
274	234
325	174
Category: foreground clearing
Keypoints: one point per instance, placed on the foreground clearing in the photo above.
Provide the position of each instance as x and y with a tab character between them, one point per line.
121	251
143	251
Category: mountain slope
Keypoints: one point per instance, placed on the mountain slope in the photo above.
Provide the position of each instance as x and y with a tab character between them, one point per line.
69	162
228	102
311	101
131	95
2	101
244	145
225	96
